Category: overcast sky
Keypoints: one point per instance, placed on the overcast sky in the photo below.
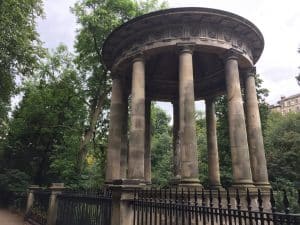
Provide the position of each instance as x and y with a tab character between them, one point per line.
279	22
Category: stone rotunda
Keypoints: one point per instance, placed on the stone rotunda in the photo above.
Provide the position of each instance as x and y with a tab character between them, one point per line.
181	55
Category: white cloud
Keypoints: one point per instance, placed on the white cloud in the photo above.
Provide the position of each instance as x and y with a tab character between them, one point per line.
59	26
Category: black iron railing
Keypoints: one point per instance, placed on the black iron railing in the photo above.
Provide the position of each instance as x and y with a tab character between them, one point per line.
186	207
38	211
17	201
84	208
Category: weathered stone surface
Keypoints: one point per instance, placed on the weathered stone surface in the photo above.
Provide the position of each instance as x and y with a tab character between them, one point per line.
237	128
115	132
212	145
137	128
254	132
187	128
147	142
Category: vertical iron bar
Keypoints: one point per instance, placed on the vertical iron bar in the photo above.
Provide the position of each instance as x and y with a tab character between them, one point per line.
203	208
176	206
249	207
238	205
182	207
165	207
196	207
189	207
260	207
170	207
220	207
160	207
229	207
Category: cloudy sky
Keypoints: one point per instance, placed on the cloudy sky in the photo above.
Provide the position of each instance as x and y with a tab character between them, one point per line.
279	21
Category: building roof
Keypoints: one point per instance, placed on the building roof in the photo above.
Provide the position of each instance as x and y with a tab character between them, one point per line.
149	22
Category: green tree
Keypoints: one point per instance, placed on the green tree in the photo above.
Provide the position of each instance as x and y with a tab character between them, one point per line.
161	145
97	19
202	147
282	143
46	127
20	47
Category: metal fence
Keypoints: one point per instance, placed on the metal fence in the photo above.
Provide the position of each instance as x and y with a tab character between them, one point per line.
17	201
38	212
186	207
84	208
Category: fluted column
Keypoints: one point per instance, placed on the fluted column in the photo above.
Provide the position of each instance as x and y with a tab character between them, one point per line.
212	145
254	132
148	142
115	131
187	126
137	128
124	141
237	128
176	149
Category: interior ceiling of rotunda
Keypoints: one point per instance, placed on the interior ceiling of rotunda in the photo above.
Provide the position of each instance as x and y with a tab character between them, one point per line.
162	72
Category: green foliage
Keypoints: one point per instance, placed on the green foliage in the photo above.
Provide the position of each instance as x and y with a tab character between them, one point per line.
97	19
223	141
282	143
202	147
46	127
19	44
13	180
161	146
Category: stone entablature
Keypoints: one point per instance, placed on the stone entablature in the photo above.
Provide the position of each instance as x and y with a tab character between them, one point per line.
209	30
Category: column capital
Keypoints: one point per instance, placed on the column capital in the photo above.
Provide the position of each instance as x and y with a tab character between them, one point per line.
185	47
250	71
139	57
210	99
231	54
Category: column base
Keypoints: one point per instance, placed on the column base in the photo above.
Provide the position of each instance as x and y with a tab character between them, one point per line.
175	181
128	182
264	186
216	187
190	183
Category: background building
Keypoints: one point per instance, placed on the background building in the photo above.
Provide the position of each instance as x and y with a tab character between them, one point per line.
287	104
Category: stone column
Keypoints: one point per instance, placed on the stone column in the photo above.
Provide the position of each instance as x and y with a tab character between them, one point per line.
187	126
212	145
148	142
176	147
124	141
137	129
115	131
255	138
237	128
30	198
55	189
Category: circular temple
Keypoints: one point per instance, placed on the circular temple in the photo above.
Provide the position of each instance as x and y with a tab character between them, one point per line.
158	37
